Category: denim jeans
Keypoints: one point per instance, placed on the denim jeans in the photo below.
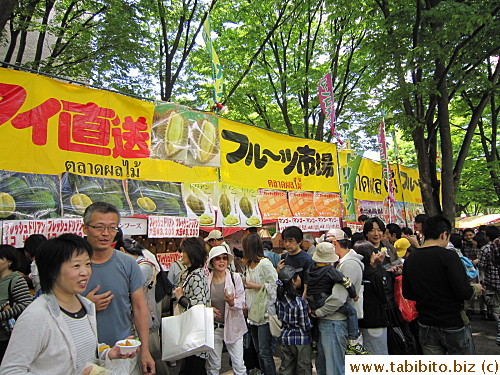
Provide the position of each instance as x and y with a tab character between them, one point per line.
261	336
352	320
333	338
375	340
439	341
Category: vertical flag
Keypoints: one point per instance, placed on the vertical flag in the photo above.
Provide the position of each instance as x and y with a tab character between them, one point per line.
325	95
386	170
216	66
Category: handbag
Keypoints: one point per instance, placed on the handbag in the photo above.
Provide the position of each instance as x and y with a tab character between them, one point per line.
399	339
187	334
257	311
407	308
163	284
275	325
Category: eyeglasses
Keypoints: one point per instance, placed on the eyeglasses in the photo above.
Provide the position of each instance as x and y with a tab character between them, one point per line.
100	228
221	257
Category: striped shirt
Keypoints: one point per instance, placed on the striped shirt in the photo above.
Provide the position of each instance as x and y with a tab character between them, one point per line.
21	298
297	326
83	337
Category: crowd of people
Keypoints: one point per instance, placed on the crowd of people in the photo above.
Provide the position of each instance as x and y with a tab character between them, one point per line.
384	290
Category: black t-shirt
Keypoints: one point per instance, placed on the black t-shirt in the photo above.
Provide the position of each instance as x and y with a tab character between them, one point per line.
435	278
300	260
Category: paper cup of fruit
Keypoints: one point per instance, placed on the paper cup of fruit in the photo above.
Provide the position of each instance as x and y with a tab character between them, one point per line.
128	346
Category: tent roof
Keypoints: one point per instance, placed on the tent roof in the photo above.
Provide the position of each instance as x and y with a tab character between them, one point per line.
475	221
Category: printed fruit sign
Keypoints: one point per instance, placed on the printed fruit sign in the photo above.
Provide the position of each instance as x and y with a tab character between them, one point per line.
273	204
29	196
229	214
327	204
248	207
302	203
198	200
158	197
186	136
78	192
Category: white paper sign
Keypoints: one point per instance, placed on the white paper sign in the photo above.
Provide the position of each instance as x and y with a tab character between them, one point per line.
306	224
132	226
15	232
327	223
309	224
169	226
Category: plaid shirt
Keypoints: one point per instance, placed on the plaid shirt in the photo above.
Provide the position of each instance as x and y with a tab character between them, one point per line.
489	267
469	250
297	326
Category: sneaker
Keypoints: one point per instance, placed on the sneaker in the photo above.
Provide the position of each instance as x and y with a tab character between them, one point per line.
349	350
357	349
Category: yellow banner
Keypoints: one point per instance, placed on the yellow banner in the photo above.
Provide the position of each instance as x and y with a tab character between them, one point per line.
370	185
50	127
258	158
409	183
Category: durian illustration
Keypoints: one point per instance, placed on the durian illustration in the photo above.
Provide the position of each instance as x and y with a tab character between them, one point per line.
205	140
28	196
170	134
246	206
7	205
158	198
81	191
196	205
224	205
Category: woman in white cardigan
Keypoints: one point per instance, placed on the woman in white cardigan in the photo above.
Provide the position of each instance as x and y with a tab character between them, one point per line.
228	300
57	333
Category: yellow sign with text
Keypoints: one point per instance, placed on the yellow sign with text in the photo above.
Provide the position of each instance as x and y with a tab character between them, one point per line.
370	185
50	127
258	158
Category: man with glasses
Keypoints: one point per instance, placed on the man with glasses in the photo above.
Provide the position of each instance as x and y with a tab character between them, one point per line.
115	286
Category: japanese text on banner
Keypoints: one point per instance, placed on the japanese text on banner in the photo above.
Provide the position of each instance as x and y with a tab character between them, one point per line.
176	227
251	156
15	232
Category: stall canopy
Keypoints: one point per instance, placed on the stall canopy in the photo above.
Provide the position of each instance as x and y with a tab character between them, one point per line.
475	221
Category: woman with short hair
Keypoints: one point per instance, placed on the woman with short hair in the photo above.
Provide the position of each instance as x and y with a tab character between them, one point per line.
57	333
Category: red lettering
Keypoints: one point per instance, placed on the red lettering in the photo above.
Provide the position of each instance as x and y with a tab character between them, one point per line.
12	99
132	142
86	128
38	118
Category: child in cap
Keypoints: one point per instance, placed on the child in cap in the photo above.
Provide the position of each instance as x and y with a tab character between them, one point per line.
401	247
291	308
322	276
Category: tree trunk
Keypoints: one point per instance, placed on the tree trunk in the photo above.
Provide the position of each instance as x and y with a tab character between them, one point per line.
448	190
6	8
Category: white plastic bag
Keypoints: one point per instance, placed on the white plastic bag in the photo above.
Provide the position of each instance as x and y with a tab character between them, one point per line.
189	333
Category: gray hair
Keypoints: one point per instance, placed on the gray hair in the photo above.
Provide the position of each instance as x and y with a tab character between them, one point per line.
308	237
101	207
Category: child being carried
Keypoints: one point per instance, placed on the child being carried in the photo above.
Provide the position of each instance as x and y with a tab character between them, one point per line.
321	277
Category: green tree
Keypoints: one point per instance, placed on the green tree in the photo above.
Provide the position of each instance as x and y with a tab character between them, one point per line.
430	51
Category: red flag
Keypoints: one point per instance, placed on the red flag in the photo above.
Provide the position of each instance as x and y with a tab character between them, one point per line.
325	95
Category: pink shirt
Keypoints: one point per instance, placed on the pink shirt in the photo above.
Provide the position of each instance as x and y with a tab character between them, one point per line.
234	321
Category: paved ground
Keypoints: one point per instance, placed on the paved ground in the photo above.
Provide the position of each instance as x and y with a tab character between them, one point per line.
484	333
